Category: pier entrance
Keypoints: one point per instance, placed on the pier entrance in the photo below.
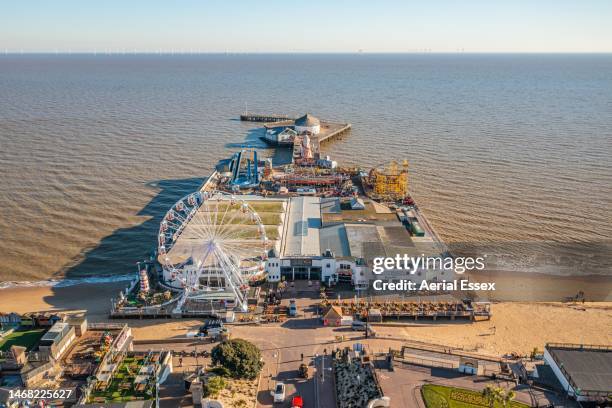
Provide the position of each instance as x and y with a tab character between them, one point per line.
292	273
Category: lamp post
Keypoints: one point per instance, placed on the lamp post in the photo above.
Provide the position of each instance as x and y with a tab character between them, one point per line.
316	357
367	320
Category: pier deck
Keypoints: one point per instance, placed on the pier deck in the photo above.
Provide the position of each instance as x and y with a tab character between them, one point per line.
256	117
329	131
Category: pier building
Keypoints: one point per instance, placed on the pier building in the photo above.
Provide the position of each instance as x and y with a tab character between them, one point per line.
252	221
308	124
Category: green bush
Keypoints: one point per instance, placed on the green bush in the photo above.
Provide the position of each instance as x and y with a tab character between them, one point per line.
241	358
214	386
222	371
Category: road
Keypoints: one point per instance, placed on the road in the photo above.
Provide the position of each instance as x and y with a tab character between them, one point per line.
286	345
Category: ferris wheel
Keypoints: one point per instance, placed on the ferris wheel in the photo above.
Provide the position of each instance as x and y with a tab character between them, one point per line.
213	241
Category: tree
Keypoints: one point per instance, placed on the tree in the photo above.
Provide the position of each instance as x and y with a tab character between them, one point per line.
491	394
534	353
241	358
507	398
214	386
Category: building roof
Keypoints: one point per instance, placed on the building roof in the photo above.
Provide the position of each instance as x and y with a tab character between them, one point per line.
589	368
307	120
357	203
55	333
334	238
288	131
302	230
16	351
330	205
333	312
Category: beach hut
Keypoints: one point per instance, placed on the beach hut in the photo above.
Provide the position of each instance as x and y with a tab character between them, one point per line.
42	319
333	316
54	318
27	320
10	318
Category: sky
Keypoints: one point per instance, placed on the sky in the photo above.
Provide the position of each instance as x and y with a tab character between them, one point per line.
306	26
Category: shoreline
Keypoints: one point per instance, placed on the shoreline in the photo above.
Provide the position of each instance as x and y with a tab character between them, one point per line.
66	282
514	326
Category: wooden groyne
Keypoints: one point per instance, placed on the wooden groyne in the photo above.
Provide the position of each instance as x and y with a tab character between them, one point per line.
256	117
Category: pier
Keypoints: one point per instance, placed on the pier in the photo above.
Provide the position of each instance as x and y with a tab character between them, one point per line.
332	130
256	117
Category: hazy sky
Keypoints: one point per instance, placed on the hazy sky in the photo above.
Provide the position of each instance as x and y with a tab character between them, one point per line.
307	26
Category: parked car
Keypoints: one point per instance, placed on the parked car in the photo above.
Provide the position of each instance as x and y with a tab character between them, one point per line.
279	392
211	328
297	402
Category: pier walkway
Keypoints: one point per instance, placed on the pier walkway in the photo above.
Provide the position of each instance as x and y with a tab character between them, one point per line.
256	117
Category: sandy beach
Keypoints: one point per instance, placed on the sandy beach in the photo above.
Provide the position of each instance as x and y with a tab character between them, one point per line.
514	327
538	287
521	326
91	298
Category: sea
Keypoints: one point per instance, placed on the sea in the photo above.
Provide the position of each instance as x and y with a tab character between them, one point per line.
503	149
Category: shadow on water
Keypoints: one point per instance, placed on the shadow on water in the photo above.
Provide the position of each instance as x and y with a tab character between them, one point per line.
251	141
117	253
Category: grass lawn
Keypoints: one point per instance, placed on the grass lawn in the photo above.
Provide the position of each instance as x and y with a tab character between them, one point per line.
24	338
266	206
122	387
439	396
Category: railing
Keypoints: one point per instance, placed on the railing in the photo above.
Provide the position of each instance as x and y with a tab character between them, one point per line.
426	362
270	117
105	326
577	390
574	346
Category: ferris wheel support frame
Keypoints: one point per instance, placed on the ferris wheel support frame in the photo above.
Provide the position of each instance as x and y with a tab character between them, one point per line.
215	233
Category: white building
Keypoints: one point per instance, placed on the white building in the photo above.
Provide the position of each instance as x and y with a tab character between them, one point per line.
273	136
323	242
325	268
57	339
308	123
321	239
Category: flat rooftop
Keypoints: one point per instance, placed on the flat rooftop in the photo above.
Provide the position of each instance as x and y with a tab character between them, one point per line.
316	224
56	332
334	238
301	235
373	213
589	368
